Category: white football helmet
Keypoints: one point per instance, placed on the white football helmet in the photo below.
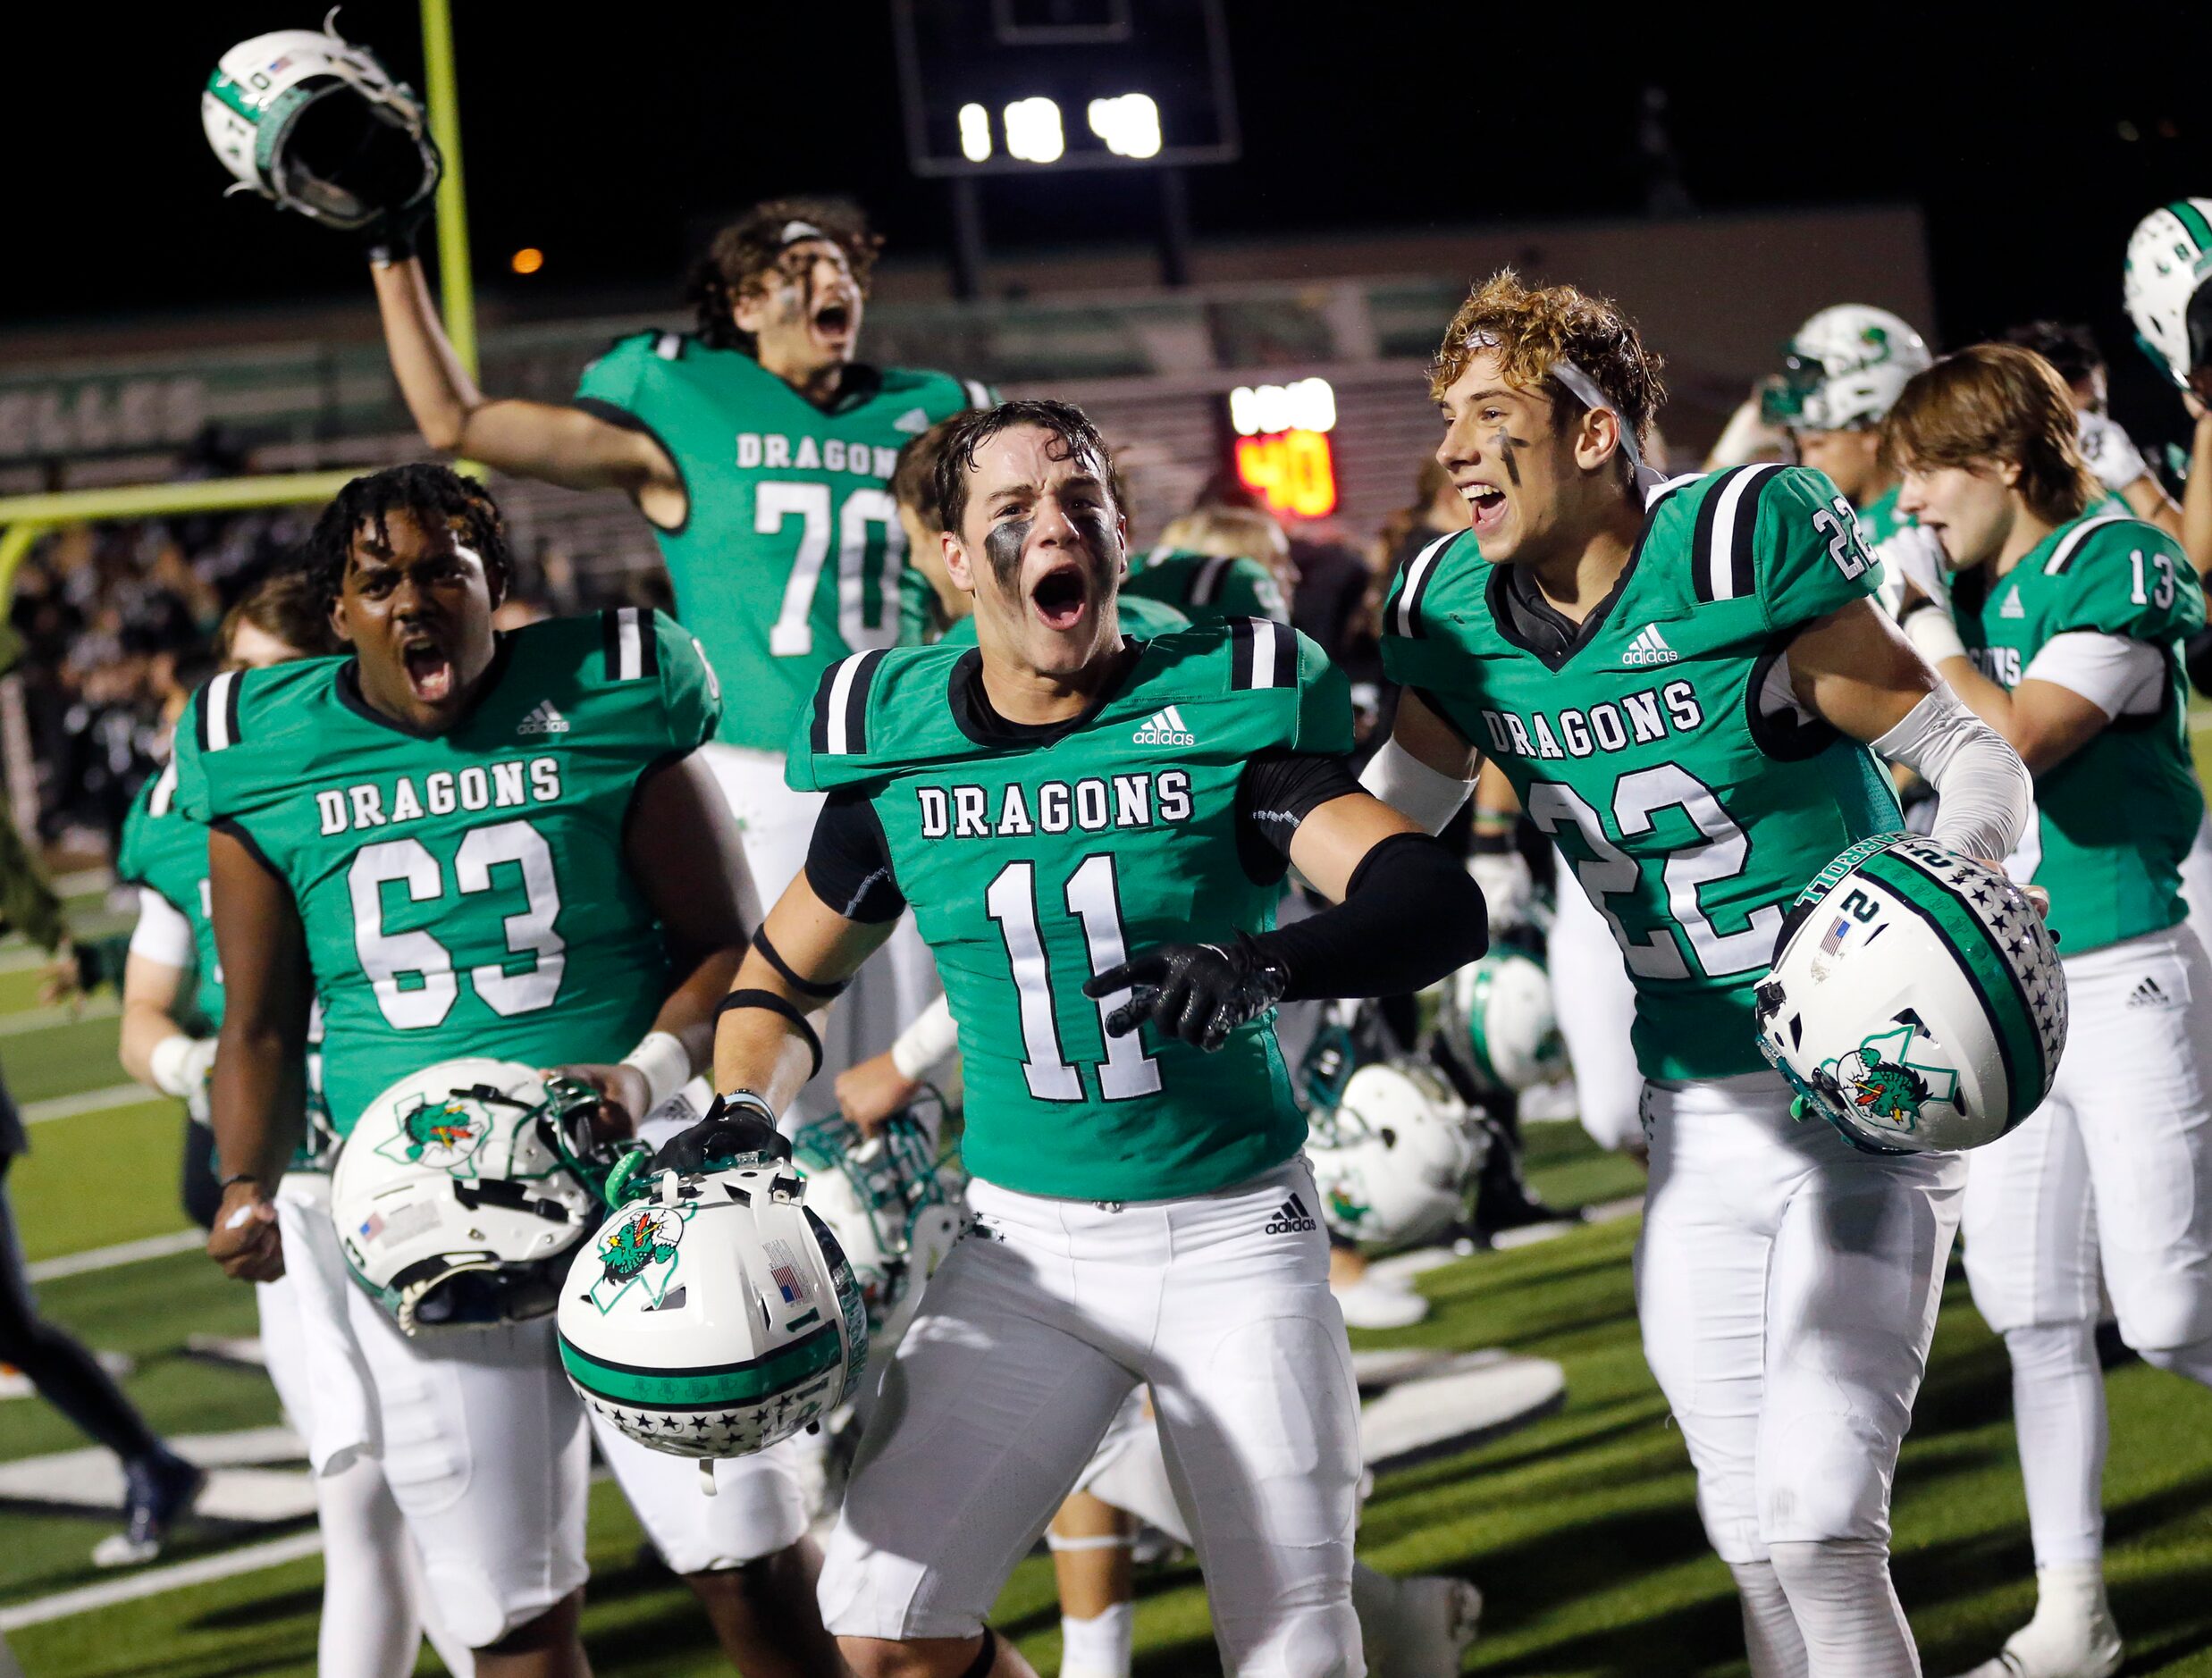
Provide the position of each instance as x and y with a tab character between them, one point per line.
1845	370
316	124
2169	258
896	1212
1499	1013
715	1315
1393	1161
459	1193
1917	1002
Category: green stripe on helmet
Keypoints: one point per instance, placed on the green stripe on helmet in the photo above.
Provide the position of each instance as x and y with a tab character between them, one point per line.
703	1389
229	93
1994	982
2192	223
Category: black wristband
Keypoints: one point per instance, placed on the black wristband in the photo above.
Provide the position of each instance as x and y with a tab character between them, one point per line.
805	986
236	1177
774	1004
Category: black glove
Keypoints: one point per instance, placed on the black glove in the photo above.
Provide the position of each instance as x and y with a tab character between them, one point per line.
727	1135
1197	992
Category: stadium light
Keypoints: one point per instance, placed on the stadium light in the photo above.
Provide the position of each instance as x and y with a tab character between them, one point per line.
975	133
529	259
1307	405
1033	130
1129	123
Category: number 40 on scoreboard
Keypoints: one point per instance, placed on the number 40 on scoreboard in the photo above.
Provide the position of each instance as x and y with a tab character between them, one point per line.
1281	445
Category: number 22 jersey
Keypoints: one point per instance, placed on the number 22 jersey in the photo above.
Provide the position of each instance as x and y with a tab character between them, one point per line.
466	893
1658	744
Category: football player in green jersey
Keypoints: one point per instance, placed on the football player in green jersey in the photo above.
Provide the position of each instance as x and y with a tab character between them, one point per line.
372	1609
1682	680
759	450
1092	833
2063	630
469	843
1214	563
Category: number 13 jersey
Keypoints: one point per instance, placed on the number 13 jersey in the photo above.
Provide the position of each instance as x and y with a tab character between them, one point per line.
1034	858
1657	744
468	894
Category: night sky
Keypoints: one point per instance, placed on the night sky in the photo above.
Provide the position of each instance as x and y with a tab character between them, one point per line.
613	145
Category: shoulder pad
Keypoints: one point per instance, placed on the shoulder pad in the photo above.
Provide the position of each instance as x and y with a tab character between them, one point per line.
1403	615
1261	653
629	644
1723	543
839	727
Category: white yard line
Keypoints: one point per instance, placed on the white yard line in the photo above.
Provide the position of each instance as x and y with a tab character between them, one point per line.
206	1570
39	1112
30	1020
106	1258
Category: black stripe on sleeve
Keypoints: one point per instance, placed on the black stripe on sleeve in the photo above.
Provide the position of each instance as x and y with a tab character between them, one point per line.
1410	600
1240	633
230	709
648	642
1742	582
1701	540
1285	641
610	642
819	737
199	717
856	703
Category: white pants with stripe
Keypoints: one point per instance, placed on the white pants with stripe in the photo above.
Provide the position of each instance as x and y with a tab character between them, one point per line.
1027	1344
1786	1285
477	1434
2111	1178
778	824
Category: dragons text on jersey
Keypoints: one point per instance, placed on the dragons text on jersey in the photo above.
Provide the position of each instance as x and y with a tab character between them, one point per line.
466	894
791	554
1694	800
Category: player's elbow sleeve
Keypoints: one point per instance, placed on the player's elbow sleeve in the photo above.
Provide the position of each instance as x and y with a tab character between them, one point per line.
1988	796
1410	915
1426	797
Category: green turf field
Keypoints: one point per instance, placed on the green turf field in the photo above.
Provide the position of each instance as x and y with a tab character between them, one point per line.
1582	1529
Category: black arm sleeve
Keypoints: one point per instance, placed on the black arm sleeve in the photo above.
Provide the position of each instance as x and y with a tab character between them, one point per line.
848	861
1278	791
1410	915
2196	659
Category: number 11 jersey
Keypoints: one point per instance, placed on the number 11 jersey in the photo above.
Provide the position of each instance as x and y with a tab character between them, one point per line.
1658	743
468	894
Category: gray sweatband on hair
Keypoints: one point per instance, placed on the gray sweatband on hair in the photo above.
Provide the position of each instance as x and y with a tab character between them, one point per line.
1419	793
1987	795
1586	390
793	231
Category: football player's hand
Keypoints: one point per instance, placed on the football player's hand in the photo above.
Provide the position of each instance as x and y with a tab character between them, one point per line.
870	1093
623	1096
1508	888
2111	453
727	1132
2038	898
245	1241
1198	993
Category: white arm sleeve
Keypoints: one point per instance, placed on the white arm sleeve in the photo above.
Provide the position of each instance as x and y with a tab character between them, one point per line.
2119	675
163	935
1987	795
1414	790
928	1043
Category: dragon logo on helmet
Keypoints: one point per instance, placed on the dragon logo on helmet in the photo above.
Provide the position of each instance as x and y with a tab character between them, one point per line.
1883	1085
638	1248
441	1134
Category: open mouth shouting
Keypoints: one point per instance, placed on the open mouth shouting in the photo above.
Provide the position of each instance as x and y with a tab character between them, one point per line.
833	319
431	673
1487	501
1060	596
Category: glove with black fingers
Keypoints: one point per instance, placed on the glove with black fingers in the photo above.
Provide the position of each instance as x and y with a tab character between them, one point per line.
404	205
737	1130
2111	453
1197	993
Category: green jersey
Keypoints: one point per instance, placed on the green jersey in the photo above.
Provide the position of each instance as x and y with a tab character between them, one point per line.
1206	587
1141	617
2115	819
1879	519
165	852
468	893
790	554
1690	796
1034	859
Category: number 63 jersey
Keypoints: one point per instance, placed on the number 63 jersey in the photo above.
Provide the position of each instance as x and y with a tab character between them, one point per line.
1036	858
1657	744
467	893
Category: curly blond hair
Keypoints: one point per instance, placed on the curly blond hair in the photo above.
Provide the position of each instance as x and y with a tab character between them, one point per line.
1529	329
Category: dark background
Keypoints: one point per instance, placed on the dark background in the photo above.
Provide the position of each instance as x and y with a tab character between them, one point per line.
613	137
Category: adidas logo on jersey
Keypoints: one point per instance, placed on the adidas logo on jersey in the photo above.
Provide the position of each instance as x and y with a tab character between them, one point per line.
1164	729
2011	606
1649	647
2148	994
1291	1218
914	422
543	719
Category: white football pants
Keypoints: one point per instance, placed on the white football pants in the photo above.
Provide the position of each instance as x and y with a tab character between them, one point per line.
778	826
479	1437
1028	1341
1787	1286
1594	1000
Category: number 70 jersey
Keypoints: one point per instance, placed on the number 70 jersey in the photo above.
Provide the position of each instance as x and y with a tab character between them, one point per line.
1691	803
466	894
